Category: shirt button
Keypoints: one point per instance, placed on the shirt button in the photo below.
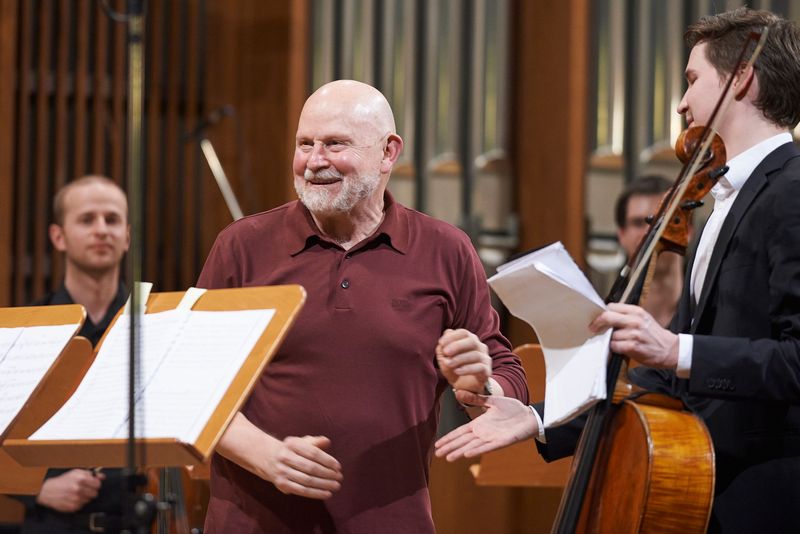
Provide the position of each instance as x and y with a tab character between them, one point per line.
345	283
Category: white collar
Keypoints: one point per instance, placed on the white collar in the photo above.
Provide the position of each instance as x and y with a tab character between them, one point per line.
742	166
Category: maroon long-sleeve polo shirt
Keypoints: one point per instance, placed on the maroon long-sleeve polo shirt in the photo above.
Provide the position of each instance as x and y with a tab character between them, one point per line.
357	366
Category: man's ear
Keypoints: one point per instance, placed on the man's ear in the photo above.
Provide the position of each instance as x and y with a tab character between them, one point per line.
744	79
392	151
57	237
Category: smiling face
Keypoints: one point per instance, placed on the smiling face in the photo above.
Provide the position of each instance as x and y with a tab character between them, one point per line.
335	167
94	232
339	158
705	85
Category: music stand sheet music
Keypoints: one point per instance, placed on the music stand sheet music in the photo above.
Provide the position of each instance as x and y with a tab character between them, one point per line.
26	353
188	359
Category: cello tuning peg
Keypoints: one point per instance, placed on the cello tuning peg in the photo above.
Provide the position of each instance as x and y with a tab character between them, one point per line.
716	173
691	204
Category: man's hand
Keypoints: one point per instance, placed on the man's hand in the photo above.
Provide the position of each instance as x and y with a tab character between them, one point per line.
69	492
505	422
300	466
638	335
464	360
296	465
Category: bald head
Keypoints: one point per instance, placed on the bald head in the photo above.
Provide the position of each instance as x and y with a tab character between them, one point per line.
352	104
346	147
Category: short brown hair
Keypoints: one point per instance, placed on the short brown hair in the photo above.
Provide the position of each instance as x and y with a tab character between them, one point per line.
61	194
647	185
777	68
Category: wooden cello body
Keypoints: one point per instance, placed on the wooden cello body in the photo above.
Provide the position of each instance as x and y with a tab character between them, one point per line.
644	463
654	472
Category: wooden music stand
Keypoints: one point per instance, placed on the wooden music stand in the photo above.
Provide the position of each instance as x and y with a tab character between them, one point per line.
520	464
163	452
70	367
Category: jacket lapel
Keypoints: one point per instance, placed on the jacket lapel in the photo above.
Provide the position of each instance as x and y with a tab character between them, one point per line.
754	184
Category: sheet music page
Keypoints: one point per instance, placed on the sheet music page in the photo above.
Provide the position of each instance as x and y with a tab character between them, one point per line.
8	336
193	379
188	359
25	356
547	290
99	407
555	261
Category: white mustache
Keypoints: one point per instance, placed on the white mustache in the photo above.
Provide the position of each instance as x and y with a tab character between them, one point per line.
324	174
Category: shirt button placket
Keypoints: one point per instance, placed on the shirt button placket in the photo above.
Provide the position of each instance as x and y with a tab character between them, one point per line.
341	296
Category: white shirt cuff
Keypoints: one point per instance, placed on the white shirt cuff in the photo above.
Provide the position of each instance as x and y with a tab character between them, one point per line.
685	344
540	438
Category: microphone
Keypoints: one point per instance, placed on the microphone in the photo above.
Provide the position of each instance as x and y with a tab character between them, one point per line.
211	119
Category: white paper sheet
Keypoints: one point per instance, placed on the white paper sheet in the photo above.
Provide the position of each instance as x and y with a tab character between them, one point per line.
547	290
188	360
25	356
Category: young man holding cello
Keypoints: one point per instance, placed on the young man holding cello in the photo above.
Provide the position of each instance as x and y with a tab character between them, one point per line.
732	353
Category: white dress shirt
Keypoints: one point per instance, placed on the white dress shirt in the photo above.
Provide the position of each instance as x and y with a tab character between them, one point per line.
724	192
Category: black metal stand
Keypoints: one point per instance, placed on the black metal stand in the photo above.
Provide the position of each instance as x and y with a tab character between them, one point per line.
139	508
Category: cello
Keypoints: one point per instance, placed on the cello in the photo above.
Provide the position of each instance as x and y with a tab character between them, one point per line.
643	462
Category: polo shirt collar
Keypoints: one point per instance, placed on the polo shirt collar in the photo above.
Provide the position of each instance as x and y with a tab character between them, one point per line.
395	224
303	233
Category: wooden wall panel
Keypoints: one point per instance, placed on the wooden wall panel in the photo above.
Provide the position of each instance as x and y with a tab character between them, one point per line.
99	101
64	85
61	139
550	139
70	98
44	35
192	166
169	176
153	132
22	202
81	81
259	60
550	136
118	137
8	80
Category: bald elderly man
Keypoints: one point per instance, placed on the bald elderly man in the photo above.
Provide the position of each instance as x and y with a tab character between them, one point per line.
337	434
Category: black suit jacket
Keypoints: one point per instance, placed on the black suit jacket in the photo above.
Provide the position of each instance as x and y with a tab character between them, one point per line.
745	375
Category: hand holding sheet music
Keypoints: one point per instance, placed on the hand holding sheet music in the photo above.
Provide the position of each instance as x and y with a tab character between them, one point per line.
547	290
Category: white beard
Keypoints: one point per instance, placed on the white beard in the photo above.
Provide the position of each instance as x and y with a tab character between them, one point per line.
320	200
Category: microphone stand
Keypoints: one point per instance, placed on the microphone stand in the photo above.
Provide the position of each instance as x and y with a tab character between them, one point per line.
213	160
138	509
222	180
